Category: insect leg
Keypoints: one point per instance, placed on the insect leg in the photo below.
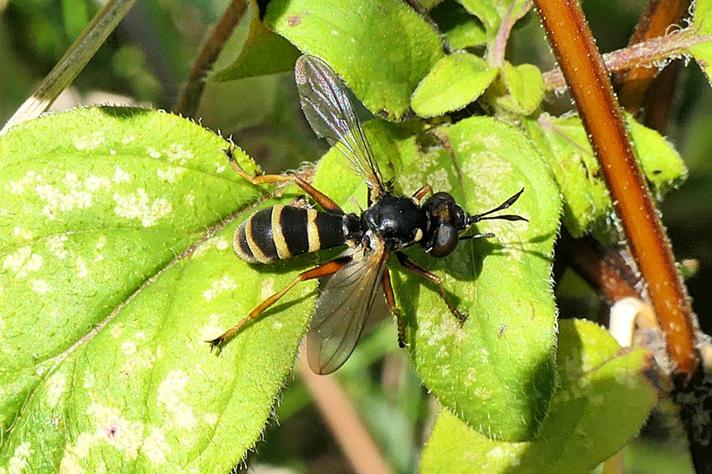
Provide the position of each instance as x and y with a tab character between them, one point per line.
320	198
433	278
422	192
326	269
391	302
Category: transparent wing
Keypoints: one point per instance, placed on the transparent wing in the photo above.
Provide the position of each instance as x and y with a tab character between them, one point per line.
342	308
330	113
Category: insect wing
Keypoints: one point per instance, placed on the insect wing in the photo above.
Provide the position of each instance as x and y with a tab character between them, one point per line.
342	308
329	111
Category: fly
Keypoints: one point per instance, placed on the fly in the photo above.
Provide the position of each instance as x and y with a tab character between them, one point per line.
350	282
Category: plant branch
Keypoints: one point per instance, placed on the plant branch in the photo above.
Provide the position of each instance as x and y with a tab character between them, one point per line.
656	21
72	63
343	420
640	55
585	73
193	90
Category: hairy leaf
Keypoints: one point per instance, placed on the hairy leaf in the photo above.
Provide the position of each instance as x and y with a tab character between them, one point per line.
497	371
381	49
587	205
454	82
115	269
520	89
603	399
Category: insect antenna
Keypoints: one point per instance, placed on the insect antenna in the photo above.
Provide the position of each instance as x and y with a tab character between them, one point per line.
472	218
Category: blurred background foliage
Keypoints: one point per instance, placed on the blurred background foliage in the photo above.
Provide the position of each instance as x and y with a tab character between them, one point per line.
145	63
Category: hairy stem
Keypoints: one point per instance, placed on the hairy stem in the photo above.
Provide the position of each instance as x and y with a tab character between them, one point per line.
640	55
193	90
585	73
495	53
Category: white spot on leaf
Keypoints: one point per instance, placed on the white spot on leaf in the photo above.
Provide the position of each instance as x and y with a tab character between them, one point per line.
22	233
177	153
22	262
56	386
170	392
18	462
77	194
89	142
170	174
120	176
139	206
226	283
55	245
128	348
40	286
155	446
82	270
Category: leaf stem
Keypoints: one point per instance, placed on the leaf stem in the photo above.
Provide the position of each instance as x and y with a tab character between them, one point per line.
72	63
586	75
645	54
496	52
190	96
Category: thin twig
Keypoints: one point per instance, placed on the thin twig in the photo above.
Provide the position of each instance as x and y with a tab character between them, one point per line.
193	90
646	54
72	63
343	420
587	77
654	22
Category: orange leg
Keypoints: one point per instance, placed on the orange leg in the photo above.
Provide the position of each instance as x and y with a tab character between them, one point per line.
327	269
422	192
433	278
391	302
320	198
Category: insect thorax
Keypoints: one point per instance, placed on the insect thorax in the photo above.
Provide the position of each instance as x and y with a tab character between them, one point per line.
398	220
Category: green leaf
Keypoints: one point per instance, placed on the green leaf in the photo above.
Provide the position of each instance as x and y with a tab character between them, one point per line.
603	399
455	81
497	371
115	269
587	206
702	25
460	29
520	89
486	12
262	52
702	18
381	49
492	12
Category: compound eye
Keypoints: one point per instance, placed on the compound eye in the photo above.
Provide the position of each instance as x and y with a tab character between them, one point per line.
445	242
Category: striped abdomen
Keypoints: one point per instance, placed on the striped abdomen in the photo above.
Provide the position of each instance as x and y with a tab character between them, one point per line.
281	232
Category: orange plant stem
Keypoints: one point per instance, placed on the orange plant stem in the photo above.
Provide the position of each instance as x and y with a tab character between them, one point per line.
585	73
